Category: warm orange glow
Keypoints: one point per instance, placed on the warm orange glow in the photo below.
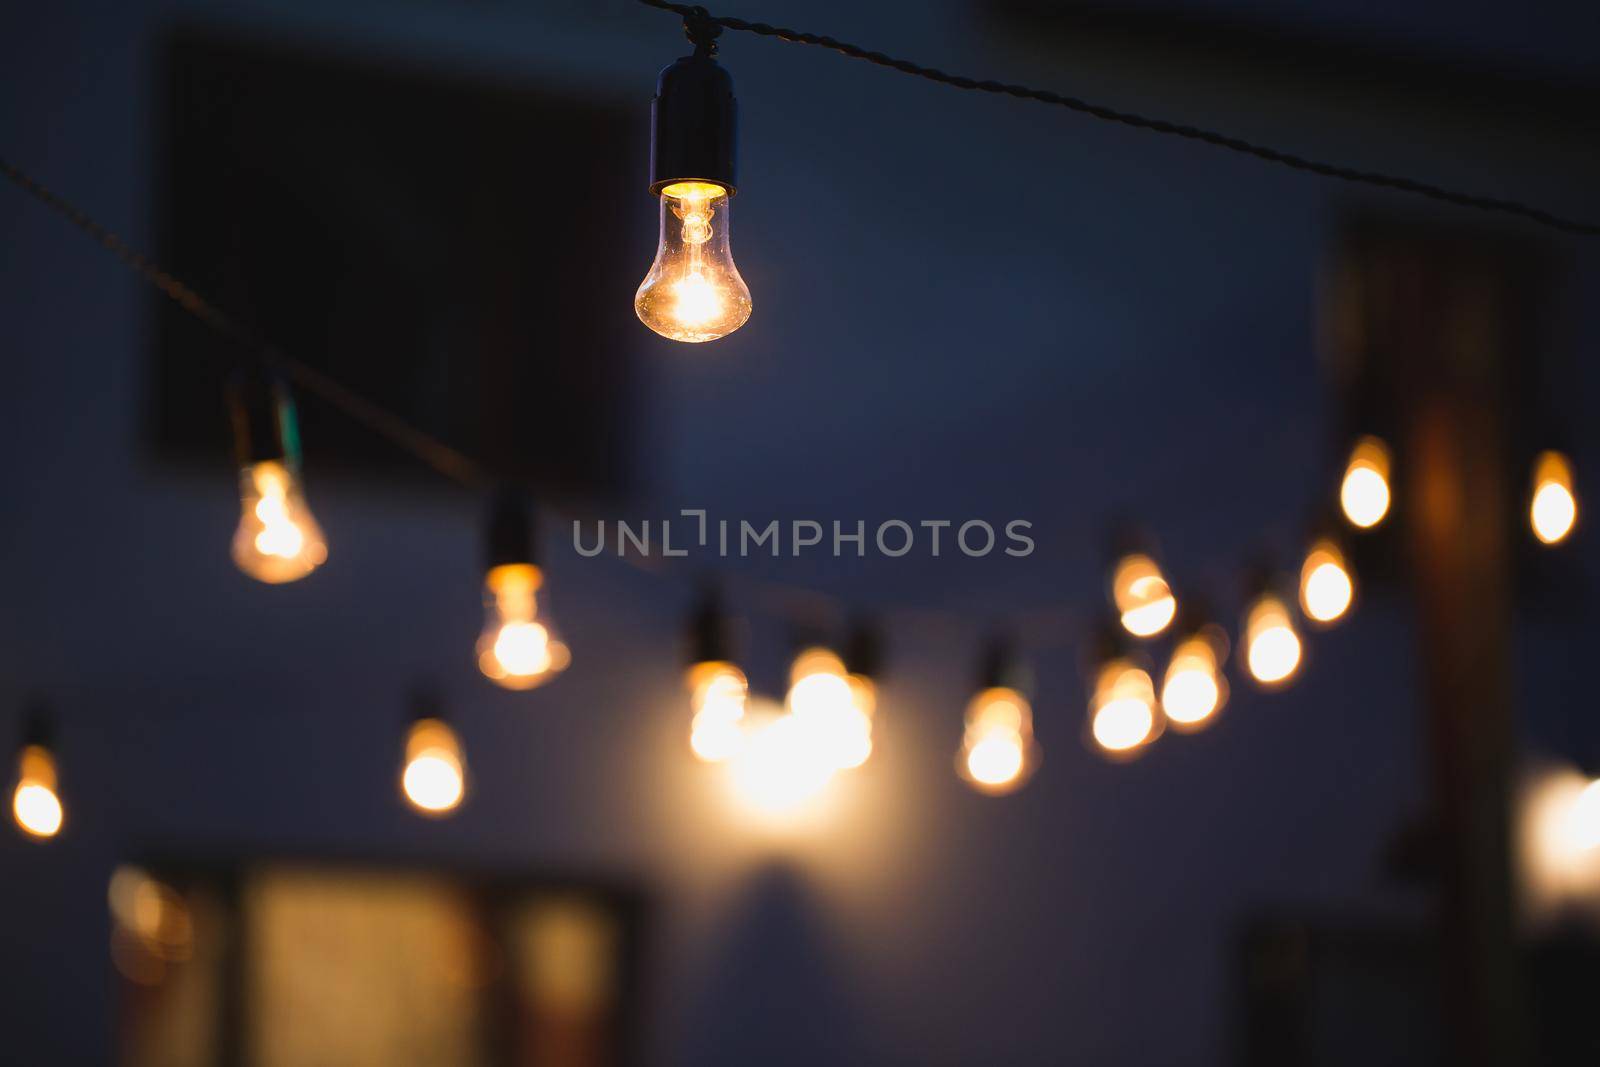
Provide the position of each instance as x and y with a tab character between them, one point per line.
834	706
1553	509
693	291
998	752
1194	689
717	695
434	777
1364	493
517	650
1142	595
1583	824
1272	647
36	803
1122	711
781	772
1326	586
277	539
1558	843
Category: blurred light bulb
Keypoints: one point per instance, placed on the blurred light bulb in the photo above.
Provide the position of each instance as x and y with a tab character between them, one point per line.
434	778
517	649
998	752
1122	711
1583	825
835	706
35	804
784	767
277	540
1272	647
693	291
1553	510
1326	587
1142	595
1193	689
1364	493
717	696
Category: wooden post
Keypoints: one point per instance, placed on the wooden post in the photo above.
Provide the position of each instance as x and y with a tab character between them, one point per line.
1437	324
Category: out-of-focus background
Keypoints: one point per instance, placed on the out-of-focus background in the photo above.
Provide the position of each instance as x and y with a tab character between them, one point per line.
965	307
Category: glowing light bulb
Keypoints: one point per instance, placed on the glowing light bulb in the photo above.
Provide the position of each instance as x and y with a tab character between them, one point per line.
1364	493
998	753
693	291
1583	824
1553	511
834	706
1122	711
1193	689
1142	595
718	693
434	777
517	649
1272	647
36	804
781	772
1326	587
277	540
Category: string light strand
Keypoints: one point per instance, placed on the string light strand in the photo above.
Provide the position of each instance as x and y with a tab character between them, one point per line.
446	460
695	15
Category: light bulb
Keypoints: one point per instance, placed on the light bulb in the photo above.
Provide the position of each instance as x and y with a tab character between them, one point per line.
1553	511
1122	712
36	804
782	770
1272	647
1364	492
1583	824
1326	587
718	693
834	706
693	291
998	753
434	777
1193	689
278	540
517	649
1142	596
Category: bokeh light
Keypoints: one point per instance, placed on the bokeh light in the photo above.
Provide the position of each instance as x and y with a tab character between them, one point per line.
1142	596
434	778
1327	587
1364	492
1272	647
1553	510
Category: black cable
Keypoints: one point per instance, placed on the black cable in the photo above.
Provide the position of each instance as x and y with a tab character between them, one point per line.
448	461
696	16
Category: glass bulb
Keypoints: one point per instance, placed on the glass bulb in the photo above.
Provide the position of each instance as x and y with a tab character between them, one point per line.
1326	587
278	540
35	804
1272	648
1122	713
1364	493
998	753
1142	595
834	706
1553	510
718	694
434	778
1193	689
693	291
517	649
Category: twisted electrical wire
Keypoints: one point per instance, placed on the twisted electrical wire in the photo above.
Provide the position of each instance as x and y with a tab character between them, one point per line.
697	20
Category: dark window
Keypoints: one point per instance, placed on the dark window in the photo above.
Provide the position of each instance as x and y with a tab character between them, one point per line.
457	251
